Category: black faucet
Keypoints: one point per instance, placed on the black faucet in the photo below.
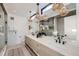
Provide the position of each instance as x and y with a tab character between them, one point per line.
40	34
59	39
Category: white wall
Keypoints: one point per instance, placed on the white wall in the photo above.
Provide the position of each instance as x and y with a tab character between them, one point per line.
70	27
77	6
35	26
60	25
18	25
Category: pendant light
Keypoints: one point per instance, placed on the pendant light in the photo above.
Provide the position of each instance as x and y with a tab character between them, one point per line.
57	6
60	8
63	11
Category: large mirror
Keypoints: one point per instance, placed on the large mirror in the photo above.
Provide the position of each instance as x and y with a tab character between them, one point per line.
57	24
61	24
47	26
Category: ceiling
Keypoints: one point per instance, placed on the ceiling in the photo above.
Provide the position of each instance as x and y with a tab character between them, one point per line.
21	9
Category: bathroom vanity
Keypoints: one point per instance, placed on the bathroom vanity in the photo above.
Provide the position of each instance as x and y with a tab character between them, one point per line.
40	48
46	46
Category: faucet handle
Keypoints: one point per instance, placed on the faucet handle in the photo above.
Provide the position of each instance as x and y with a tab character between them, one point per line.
63	42
56	40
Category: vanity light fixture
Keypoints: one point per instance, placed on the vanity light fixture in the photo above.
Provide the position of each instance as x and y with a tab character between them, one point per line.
60	8
33	17
39	16
47	8
57	7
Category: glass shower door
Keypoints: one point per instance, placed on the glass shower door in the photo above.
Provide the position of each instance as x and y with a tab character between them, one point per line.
2	29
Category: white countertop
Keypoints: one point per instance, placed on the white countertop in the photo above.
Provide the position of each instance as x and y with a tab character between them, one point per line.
68	49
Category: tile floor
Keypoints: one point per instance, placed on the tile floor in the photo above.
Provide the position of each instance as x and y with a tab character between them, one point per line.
19	51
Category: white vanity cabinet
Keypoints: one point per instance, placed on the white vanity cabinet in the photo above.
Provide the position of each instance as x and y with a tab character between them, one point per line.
41	49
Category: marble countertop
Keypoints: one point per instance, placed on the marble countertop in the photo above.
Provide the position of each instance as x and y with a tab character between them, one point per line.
68	49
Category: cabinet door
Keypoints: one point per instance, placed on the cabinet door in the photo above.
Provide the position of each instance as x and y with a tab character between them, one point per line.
27	40
35	46
32	44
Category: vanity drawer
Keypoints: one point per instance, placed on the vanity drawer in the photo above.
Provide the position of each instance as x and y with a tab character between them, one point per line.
27	40
32	44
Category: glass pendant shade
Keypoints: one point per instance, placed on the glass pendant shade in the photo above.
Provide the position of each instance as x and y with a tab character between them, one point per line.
57	6
60	8
63	11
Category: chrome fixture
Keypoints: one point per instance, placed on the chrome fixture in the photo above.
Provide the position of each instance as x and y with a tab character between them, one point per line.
41	34
59	39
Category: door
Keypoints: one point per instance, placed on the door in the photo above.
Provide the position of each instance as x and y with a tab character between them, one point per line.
12	35
2	29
